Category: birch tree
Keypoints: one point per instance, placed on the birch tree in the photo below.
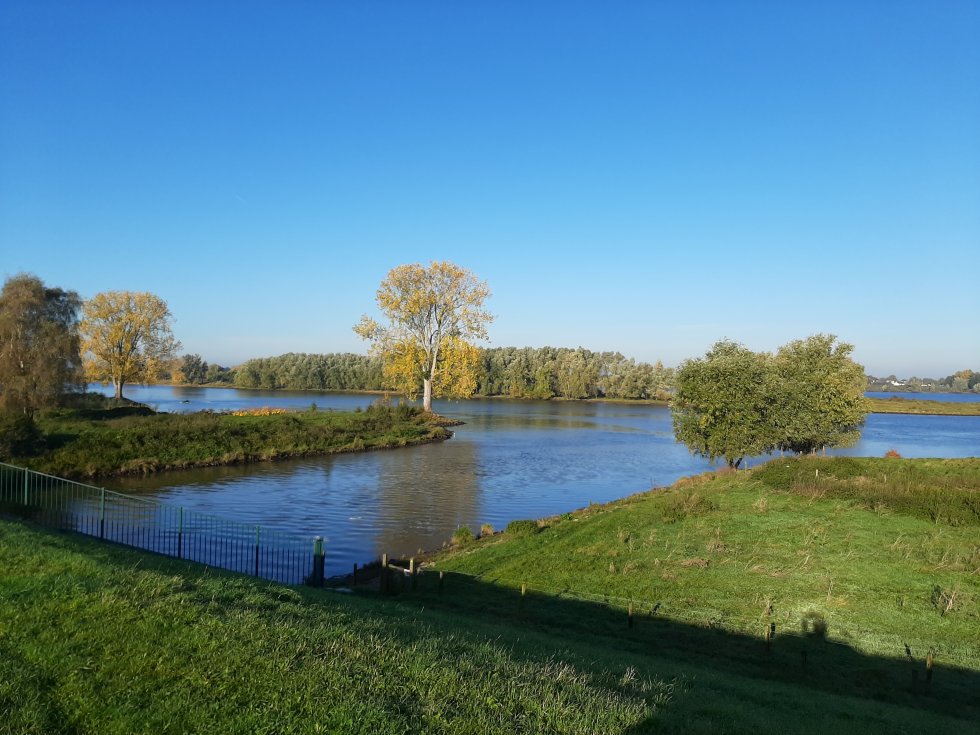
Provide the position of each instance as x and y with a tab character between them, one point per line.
434	313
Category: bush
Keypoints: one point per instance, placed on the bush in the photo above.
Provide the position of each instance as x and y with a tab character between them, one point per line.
486	530
19	436
462	535
684	504
523	528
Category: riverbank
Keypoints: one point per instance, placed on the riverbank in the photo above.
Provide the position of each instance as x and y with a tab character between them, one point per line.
916	406
704	567
88	444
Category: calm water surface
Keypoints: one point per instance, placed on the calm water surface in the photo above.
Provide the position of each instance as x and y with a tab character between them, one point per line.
511	459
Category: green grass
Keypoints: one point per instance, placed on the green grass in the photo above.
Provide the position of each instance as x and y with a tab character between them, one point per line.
875	548
910	405
85	443
98	639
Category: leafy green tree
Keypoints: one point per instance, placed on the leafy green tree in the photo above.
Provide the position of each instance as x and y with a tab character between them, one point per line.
39	344
194	369
720	406
820	395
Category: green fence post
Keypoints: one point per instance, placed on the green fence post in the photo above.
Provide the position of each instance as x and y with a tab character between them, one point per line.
102	513
317	578
27	474
180	532
258	531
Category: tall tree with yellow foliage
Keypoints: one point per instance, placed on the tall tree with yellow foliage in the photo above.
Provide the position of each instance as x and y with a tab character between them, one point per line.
434	313
126	337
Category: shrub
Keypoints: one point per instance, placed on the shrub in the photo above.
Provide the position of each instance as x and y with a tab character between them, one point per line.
462	535
19	436
486	529
892	454
523	528
682	505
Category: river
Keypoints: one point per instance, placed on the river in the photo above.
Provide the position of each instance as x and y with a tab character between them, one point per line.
510	460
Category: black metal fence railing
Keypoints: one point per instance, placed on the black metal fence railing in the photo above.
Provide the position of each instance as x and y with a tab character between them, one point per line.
165	529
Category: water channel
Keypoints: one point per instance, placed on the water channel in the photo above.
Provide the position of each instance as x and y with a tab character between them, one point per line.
510	460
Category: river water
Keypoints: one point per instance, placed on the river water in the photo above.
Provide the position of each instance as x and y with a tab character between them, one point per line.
510	460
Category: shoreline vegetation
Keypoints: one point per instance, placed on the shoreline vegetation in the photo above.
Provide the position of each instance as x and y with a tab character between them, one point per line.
894	404
646	614
132	439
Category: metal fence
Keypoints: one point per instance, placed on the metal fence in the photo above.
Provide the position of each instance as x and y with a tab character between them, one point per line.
164	529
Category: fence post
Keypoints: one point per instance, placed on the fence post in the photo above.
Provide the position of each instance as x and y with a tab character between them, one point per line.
317	579
27	474
383	581
412	571
102	513
180	532
258	531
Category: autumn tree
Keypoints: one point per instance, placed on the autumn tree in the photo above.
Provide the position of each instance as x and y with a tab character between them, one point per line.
39	344
434	313
126	337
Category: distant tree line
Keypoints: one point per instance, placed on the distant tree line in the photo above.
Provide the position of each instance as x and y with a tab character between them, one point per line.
963	381
517	372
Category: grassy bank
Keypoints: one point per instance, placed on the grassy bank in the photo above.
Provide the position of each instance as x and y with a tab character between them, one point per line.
936	408
97	639
878	558
132	440
883	552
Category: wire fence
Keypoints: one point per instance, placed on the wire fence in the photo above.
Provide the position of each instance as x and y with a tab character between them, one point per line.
161	528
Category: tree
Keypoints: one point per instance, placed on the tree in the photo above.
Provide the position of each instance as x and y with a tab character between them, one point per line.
721	401
734	403
126	337
39	344
193	369
821	399
433	315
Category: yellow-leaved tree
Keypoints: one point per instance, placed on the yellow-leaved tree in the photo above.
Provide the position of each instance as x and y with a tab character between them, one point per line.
434	313
126	337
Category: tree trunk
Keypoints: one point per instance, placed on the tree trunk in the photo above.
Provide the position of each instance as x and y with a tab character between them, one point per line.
118	384
426	394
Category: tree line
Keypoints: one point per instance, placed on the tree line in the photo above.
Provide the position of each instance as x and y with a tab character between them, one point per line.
516	372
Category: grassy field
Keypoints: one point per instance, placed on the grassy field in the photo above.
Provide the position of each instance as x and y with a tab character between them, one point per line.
937	408
872	555
134	440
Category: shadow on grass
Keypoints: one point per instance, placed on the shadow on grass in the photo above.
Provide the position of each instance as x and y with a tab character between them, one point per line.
804	657
793	665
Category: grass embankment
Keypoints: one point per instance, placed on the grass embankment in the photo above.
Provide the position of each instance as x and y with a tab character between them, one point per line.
935	408
93	443
872	554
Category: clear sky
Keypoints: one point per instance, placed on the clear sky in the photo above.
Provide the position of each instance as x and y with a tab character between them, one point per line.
647	177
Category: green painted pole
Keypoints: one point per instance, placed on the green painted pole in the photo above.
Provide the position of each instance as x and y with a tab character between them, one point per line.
258	533
317	579
27	474
102	513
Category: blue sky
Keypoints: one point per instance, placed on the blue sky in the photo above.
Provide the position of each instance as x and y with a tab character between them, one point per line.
642	177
